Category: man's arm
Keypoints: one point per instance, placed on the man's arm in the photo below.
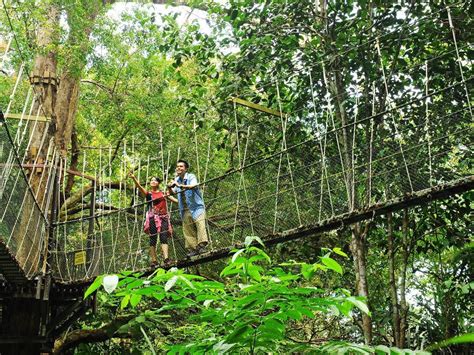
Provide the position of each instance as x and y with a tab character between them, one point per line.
171	192
142	190
192	183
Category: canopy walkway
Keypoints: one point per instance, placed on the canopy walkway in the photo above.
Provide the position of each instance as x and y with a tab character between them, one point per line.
339	174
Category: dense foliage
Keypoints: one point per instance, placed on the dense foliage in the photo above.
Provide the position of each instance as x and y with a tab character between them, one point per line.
157	84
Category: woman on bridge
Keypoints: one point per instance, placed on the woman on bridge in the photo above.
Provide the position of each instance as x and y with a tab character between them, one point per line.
157	218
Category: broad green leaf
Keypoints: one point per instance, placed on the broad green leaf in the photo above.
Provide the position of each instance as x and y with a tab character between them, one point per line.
250	239
134	284
460	339
359	304
332	264
253	272
340	252
222	347
124	301
94	286
135	299
307	271
294	314
238	333
236	254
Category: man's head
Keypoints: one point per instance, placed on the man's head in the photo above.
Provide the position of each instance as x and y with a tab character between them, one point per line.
182	167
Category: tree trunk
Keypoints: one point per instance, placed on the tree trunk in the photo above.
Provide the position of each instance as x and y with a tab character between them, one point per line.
403	274
358	250
393	282
336	88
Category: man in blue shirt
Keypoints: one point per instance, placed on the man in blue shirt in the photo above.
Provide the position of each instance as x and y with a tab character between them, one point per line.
191	208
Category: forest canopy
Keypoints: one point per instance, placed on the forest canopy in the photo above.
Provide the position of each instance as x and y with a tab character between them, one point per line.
302	100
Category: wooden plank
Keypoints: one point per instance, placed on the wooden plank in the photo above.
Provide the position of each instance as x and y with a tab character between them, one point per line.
257	107
18	116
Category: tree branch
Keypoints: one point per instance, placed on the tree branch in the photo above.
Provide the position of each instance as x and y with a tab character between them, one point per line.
81	336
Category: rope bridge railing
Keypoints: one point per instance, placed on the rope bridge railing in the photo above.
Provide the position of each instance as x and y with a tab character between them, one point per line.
417	141
23	225
262	199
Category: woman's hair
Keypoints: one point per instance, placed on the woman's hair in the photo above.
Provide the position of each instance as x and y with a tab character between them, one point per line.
158	179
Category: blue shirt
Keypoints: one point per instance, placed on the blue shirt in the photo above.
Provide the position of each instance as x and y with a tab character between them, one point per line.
193	197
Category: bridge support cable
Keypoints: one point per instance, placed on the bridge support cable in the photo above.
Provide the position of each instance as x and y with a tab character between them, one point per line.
427	124
391	105
81	238
284	123
19	221
322	150
371	150
242	183
198	167
277	191
353	149
458	57
343	127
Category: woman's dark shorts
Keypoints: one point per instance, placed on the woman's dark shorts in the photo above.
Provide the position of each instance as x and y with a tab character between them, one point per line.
164	233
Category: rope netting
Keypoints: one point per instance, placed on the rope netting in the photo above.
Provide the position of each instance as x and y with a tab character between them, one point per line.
417	141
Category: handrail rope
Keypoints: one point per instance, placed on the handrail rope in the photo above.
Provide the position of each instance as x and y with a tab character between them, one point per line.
358	166
243	181
45	205
260	214
382	158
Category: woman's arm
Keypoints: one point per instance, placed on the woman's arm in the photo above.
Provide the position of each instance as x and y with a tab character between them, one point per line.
171	198
137	184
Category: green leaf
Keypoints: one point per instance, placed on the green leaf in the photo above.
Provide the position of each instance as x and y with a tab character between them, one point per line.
307	271
250	239
134	284
460	339
236	254
124	301
95	285
238	333
359	304
253	272
135	299
222	347
294	314
332	264
340	252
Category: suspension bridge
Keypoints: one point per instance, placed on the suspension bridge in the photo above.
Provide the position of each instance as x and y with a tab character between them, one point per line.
54	242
